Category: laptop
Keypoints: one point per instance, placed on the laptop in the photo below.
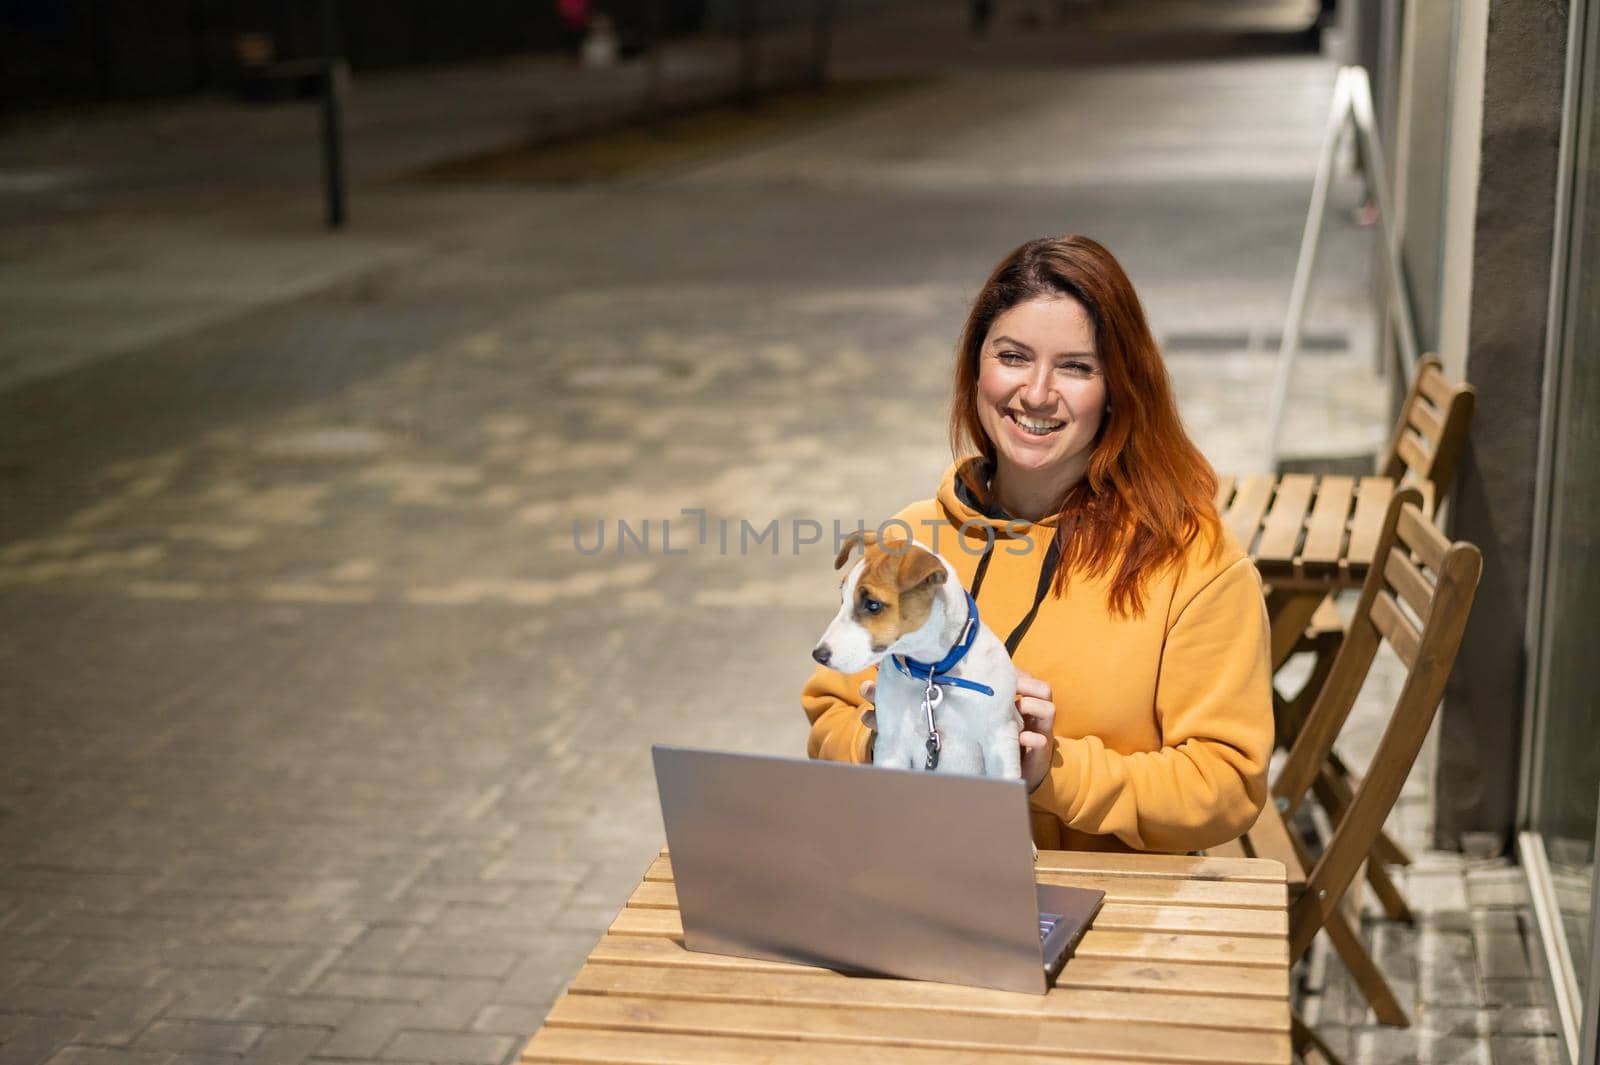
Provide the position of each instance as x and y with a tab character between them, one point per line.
920	875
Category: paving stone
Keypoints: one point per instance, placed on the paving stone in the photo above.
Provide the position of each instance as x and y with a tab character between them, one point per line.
383	987
1535	993
447	961
1523	1020
301	970
509	1019
468	1049
98	1055
379	948
287	1045
1433	893
213	1004
366	1031
454	1007
295	1010
1527	1050
1496	888
58	1001
203	1036
1454	1020
1392	1046
123	1017
26	1039
1502	955
31	948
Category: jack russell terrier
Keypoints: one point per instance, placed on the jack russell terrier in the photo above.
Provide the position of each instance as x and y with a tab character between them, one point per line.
947	702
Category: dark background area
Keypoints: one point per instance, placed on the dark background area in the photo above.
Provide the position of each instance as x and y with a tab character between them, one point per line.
80	51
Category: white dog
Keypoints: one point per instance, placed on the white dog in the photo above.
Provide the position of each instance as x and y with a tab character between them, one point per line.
946	698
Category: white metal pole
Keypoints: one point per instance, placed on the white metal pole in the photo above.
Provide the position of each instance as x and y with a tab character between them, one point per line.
1399	291
1289	346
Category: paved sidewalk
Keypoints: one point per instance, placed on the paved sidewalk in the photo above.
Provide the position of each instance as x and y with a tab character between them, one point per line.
324	741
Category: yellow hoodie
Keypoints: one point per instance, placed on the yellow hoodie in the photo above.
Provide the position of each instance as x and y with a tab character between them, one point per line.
1163	722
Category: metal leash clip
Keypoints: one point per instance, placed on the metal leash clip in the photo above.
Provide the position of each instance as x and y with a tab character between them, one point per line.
932	696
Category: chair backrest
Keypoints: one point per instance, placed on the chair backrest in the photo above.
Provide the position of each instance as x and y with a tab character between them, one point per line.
1417	597
1432	432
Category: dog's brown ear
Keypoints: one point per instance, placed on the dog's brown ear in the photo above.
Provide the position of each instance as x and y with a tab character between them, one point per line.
865	537
918	566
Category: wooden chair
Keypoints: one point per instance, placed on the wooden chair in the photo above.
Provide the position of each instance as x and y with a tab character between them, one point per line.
1417	598
1424	451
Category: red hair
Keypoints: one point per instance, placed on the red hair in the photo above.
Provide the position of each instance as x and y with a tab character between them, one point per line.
1148	491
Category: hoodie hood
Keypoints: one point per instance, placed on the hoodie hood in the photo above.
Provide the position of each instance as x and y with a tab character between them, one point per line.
964	497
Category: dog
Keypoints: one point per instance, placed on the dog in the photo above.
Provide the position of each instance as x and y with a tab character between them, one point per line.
903	608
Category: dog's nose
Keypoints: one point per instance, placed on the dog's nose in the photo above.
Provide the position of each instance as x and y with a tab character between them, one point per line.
822	654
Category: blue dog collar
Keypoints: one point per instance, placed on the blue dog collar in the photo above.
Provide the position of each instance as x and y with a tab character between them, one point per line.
936	673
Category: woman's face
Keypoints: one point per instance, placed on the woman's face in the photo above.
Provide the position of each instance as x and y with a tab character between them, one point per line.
1041	389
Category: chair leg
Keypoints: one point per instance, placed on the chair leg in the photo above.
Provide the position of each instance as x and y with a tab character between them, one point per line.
1298	707
1368	977
1308	1045
1335	800
1339	777
1289	612
1393	902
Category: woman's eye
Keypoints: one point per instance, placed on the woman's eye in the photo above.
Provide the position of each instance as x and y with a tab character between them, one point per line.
1011	358
1077	369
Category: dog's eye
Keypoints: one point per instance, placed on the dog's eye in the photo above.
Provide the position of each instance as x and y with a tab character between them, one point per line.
871	605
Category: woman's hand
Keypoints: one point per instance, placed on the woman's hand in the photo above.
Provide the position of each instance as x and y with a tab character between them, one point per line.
1038	728
869	713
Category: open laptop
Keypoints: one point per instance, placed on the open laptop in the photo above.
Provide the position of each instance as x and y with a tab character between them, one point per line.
920	875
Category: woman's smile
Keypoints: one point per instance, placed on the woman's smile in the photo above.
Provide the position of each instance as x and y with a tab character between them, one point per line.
1031	425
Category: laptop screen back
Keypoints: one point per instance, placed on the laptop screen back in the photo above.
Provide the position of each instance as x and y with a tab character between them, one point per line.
919	875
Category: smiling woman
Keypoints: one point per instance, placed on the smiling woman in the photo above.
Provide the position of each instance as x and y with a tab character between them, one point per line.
1136	622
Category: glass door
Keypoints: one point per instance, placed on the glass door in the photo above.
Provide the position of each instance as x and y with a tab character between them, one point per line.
1563	788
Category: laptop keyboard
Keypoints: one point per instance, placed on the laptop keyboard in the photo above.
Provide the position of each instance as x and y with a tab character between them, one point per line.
1047	921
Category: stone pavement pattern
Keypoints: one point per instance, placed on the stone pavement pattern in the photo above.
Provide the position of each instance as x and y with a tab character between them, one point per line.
325	742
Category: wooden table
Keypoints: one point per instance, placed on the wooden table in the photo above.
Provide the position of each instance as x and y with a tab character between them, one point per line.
1188	961
1309	536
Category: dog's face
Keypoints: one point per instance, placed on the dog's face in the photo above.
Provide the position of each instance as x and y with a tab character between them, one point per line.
885	596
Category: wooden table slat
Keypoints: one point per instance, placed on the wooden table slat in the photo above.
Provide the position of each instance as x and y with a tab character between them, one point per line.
1366	525
1181	948
779	1021
1157	866
579	1046
1224	492
1178	889
824	987
1249	503
1113	916
1326	528
1082	971
1284	523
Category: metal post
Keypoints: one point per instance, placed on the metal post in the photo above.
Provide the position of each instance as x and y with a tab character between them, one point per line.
1352	104
654	59
334	76
1399	291
1289	344
100	49
749	50
821	41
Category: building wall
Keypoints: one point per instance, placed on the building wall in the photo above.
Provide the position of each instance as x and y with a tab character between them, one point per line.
1513	230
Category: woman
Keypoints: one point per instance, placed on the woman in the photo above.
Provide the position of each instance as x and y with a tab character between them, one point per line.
1085	529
